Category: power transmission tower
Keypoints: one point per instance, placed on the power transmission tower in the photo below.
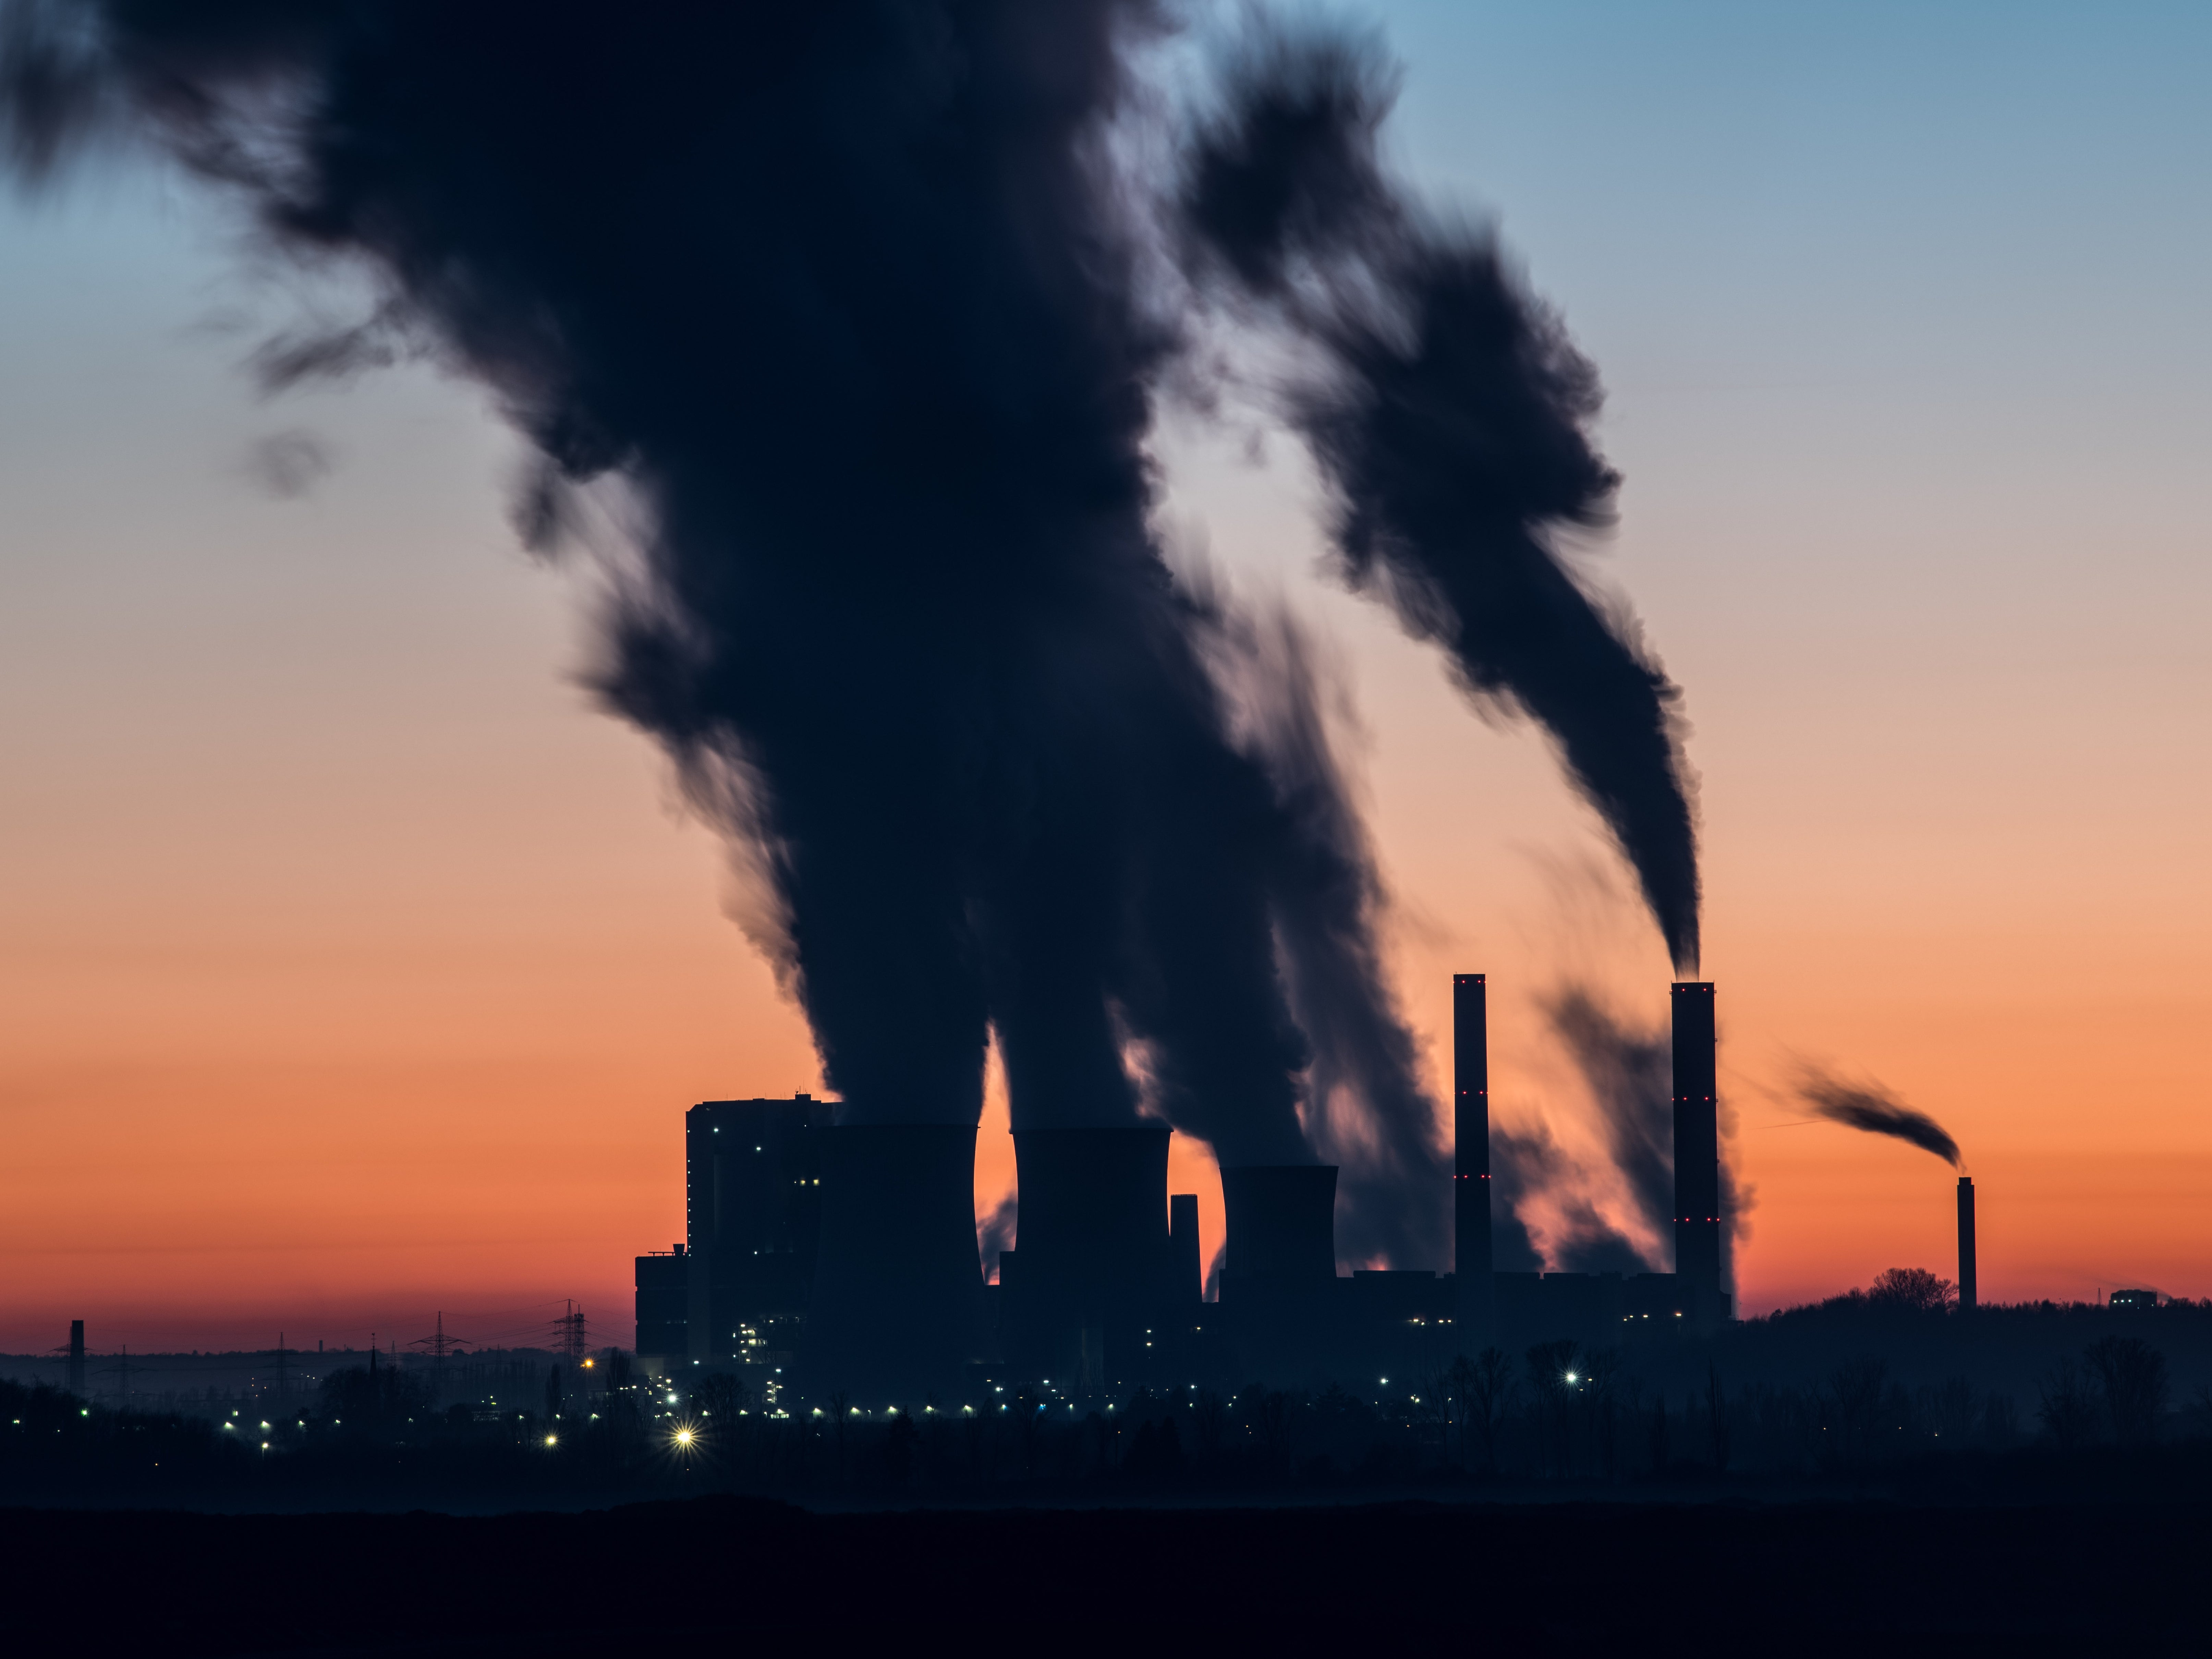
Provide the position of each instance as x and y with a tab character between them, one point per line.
571	1336
438	1345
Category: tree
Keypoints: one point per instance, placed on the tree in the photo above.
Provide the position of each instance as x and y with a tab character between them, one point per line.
722	1396
1855	1390
2067	1411
1554	1374
2133	1376
1716	1417
361	1398
840	1407
1487	1389
1914	1289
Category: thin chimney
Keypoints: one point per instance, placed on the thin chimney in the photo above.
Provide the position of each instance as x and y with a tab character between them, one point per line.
1471	1245
1968	1295
1696	1153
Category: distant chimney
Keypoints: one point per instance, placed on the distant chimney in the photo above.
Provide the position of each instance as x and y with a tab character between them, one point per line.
1471	1247
1968	1294
76	1357
1697	1154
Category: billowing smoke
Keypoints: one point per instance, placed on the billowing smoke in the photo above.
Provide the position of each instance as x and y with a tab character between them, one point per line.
842	292
1870	1107
844	296
1448	415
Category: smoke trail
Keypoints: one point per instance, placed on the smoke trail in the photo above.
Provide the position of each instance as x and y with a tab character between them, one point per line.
1450	420
1540	1190
1630	1077
995	1232
1367	1109
1874	1109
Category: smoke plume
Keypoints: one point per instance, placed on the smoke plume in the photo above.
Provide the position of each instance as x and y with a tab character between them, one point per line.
1546	1212
1448	415
1366	1110
841	292
994	1233
1874	1109
844	297
1629	1075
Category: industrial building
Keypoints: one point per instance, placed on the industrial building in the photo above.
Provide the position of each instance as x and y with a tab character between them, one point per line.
833	1257
738	1288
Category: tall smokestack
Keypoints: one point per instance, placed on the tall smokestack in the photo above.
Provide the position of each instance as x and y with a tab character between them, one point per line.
1696	1153
1471	1251
76	1357
1968	1293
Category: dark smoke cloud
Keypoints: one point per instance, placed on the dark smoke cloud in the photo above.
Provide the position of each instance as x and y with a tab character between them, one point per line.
1449	417
843	294
1874	1109
840	291
1367	1111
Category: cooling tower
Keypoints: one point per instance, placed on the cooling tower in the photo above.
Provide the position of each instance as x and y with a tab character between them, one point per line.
898	1308
1697	1154
1968	1293
1094	1259
1471	1153
1279	1277
1282	1221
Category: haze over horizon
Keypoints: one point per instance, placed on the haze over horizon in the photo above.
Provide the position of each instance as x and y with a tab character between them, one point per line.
356	967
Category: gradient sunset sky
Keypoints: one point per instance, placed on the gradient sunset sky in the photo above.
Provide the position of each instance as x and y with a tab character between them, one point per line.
353	968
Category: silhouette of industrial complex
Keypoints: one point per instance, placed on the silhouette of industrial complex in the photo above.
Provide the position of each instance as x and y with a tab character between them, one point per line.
822	1258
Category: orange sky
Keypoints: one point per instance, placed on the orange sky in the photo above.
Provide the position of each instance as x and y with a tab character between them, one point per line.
353	969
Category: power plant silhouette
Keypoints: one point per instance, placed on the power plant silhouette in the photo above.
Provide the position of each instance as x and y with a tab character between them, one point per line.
826	1257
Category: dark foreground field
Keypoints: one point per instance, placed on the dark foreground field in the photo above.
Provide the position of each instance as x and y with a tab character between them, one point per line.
730	1575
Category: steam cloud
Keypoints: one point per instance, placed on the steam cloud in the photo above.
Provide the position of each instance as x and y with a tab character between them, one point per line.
1873	1109
845	295
1448	415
